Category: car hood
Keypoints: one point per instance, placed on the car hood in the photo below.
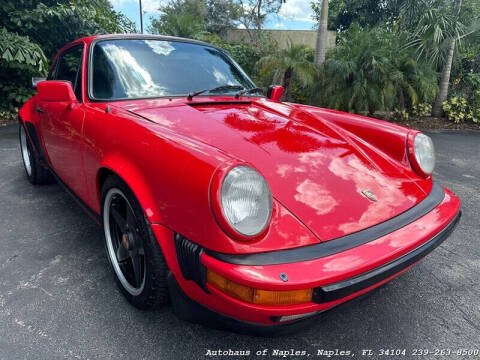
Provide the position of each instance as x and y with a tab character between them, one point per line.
315	169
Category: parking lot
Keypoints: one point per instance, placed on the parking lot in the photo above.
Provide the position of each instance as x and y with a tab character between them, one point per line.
58	298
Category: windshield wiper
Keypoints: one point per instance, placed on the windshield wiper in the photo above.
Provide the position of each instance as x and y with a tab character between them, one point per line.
218	88
248	91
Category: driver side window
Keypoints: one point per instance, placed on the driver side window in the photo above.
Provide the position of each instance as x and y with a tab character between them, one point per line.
69	68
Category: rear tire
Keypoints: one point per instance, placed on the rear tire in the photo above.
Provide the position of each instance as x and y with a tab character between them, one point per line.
37	174
132	246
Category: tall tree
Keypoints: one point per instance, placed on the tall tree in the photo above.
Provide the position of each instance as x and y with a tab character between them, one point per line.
322	35
253	14
192	18
343	13
221	15
184	18
441	26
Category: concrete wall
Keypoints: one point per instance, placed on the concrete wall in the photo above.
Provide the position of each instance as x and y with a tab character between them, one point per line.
307	37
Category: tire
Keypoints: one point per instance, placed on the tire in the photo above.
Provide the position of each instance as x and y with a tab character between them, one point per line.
132	246
37	174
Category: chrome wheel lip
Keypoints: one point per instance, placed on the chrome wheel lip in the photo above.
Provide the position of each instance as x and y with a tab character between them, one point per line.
109	242
25	151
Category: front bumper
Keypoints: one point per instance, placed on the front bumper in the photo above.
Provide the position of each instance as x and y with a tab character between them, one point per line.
335	278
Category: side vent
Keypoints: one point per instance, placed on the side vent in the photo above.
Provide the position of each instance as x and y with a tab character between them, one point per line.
188	255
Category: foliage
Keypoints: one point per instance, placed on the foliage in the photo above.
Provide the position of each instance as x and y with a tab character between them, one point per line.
252	15
9	116
194	18
432	34
245	55
366	13
19	51
19	60
400	115
183	18
293	63
54	26
439	28
33	31
421	110
457	110
12	96
221	15
254	12
369	70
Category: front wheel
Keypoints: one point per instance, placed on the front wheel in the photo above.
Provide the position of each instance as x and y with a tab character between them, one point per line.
134	254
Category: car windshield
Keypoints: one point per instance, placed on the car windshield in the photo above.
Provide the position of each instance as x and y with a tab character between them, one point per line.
140	68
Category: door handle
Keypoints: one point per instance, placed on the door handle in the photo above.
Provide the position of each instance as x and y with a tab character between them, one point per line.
39	109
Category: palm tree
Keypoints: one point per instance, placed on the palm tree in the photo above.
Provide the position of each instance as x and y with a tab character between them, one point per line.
369	70
322	35
436	37
292	62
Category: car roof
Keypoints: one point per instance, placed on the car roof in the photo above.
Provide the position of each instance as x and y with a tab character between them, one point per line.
89	39
93	38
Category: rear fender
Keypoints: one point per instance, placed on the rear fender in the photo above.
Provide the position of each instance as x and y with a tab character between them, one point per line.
29	118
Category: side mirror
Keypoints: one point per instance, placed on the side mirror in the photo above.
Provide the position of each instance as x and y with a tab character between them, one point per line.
52	90
275	92
36	80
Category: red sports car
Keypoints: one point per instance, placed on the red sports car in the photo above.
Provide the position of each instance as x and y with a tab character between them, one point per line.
236	205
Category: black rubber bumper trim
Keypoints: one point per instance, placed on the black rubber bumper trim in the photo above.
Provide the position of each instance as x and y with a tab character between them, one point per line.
188	256
347	287
338	245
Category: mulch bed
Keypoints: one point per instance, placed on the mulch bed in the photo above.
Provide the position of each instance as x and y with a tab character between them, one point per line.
5	122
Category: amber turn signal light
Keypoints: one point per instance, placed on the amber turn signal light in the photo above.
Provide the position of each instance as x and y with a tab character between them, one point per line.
257	296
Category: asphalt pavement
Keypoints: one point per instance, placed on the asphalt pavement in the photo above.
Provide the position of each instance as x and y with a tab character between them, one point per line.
58	299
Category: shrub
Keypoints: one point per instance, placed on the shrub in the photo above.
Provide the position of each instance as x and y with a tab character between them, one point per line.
370	69
421	110
7	115
400	115
457	110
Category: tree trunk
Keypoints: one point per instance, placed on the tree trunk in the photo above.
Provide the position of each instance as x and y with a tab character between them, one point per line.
259	15
276	76
322	32
287	79
443	91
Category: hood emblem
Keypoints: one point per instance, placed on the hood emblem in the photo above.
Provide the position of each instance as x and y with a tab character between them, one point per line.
369	195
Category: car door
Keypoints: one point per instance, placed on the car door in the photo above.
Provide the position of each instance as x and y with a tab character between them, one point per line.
62	124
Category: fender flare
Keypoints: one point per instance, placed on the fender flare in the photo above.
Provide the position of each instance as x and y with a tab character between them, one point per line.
126	170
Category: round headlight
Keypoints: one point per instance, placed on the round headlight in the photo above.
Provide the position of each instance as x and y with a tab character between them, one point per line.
246	200
424	153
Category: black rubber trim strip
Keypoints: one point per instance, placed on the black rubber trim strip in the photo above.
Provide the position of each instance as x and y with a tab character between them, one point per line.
188	256
327	248
347	287
36	143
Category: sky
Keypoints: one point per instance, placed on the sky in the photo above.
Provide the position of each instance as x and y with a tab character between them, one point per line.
294	14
